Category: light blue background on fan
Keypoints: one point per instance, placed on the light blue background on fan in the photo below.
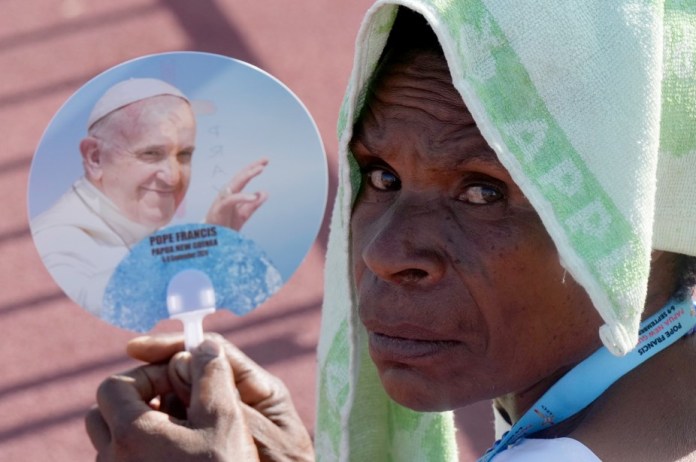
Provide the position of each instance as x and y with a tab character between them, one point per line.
242	275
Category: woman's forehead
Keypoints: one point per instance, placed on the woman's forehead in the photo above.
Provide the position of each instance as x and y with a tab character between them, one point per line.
414	95
421	75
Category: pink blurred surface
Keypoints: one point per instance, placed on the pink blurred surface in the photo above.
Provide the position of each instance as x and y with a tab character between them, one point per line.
55	353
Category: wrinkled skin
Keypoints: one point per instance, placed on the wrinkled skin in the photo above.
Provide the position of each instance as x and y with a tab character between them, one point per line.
214	404
458	283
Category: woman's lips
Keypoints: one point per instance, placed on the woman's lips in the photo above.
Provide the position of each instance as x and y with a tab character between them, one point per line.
401	349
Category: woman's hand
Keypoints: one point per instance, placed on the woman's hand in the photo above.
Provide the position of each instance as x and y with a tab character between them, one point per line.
129	425
268	413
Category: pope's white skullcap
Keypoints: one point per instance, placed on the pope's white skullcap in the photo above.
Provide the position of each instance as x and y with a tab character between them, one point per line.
127	92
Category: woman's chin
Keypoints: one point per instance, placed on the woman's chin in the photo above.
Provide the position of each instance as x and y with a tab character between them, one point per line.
410	389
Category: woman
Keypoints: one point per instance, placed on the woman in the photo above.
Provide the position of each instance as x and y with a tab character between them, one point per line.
487	238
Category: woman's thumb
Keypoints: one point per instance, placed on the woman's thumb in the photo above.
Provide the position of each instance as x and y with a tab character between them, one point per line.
213	391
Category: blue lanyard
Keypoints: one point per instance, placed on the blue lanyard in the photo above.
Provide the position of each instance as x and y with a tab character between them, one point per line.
589	379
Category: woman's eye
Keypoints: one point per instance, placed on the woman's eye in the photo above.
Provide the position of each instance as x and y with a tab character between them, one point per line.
481	194
383	180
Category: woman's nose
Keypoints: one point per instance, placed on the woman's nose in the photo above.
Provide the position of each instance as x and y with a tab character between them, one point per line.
402	246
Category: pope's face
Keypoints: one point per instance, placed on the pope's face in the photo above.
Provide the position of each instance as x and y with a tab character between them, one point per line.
142	158
458	283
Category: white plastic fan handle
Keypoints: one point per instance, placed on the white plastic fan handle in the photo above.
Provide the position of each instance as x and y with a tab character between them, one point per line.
190	298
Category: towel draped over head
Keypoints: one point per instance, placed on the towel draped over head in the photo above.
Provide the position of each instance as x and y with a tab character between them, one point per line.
591	107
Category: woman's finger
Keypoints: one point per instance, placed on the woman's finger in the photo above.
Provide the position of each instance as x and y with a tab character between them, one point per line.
97	429
155	348
180	376
254	383
122	398
214	398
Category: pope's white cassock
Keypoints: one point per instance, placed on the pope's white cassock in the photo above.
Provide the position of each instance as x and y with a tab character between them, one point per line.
82	239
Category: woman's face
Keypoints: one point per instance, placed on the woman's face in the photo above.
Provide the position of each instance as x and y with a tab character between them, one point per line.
458	283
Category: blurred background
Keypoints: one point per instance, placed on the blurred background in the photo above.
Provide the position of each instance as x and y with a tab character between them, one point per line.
54	353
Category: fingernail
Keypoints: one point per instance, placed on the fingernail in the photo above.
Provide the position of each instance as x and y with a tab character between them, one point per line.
209	347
